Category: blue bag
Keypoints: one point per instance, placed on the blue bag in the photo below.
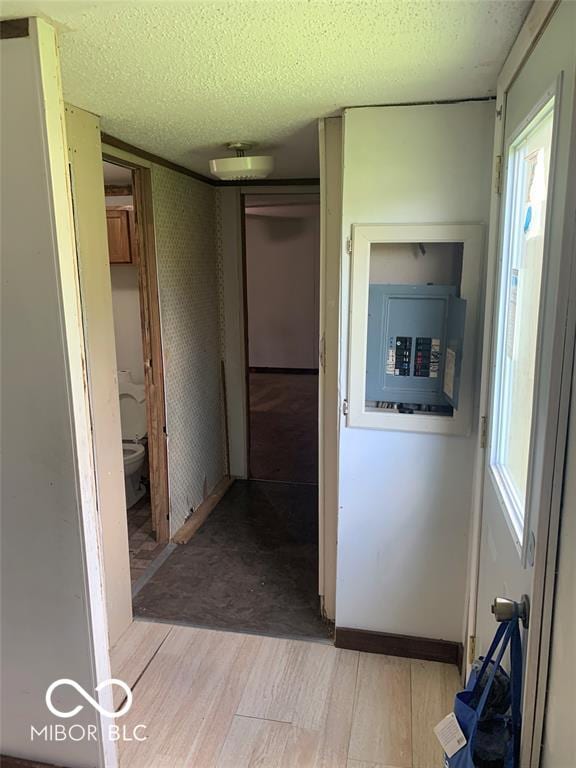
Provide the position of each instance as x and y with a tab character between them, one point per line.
469	704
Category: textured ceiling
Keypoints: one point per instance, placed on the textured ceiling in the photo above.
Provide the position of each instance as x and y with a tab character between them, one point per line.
182	78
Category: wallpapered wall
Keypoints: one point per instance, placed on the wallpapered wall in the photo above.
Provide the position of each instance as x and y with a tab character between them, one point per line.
188	266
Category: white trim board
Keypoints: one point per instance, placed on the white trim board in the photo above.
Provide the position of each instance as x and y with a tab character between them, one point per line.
330	141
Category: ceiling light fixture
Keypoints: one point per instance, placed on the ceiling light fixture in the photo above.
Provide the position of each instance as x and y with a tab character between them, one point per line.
242	166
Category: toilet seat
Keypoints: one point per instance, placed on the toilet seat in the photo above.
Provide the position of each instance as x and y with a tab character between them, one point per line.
132	453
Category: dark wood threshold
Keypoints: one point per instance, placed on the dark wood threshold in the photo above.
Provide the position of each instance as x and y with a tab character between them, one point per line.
18	762
399	645
302	371
112	141
11	28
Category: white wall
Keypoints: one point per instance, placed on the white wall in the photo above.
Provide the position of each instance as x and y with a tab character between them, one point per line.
405	498
282	275
127	325
53	617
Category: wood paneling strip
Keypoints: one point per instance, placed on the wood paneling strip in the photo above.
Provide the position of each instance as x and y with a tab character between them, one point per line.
112	141
153	354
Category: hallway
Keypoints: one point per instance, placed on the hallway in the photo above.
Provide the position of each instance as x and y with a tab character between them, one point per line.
238	701
284	426
252	566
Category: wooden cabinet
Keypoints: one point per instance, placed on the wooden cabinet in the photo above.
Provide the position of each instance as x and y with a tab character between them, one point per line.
122	243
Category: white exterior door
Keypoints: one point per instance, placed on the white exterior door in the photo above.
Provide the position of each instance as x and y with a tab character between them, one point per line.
529	317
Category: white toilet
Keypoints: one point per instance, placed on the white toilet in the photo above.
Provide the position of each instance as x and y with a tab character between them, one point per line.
134	428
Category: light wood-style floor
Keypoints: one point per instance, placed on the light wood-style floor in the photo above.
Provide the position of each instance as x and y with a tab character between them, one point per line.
224	700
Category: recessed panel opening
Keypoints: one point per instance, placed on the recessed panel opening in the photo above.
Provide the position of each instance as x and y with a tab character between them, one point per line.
415	328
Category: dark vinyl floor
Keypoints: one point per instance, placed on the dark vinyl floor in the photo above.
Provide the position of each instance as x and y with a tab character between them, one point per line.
252	566
284	427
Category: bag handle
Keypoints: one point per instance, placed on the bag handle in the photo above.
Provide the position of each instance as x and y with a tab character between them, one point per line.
516	688
508	631
491	651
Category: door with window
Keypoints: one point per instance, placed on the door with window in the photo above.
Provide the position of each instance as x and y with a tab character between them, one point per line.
522	418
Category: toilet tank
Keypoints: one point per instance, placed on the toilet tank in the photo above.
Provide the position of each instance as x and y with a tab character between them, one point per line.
132	407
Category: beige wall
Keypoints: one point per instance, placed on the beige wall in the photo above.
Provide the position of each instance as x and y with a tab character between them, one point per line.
282	275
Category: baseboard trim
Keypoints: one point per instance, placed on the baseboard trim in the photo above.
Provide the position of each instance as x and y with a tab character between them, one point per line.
198	518
18	762
303	371
399	645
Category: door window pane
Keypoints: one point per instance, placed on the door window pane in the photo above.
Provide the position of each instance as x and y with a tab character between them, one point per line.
519	309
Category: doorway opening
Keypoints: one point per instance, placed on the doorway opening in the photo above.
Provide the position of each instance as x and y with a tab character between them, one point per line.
282	274
136	326
252	566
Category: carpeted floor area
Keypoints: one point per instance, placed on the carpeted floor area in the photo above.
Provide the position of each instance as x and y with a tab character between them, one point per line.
252	566
284	427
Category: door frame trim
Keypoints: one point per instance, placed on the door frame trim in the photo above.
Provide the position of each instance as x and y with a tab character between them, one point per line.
537	656
246	336
150	321
330	133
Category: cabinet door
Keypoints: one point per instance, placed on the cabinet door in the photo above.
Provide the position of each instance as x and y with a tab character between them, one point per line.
118	236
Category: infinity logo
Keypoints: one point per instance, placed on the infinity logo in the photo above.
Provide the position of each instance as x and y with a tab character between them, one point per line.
73	684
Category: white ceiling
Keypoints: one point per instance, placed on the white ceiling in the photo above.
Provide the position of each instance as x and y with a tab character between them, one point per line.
180	79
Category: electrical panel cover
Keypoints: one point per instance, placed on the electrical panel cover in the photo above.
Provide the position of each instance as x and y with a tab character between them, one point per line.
415	338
